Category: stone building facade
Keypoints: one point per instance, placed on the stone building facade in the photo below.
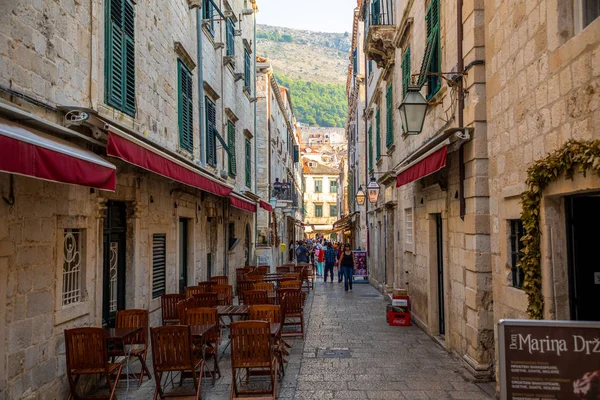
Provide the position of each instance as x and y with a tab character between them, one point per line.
543	83
279	175
428	232
321	199
121	83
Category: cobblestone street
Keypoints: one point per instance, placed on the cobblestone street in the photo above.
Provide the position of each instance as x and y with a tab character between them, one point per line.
385	362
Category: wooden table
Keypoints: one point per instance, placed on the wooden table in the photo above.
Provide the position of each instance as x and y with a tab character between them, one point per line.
120	333
198	331
232	311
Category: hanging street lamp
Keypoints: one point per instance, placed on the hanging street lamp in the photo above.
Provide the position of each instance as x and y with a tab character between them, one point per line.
412	111
373	190
360	197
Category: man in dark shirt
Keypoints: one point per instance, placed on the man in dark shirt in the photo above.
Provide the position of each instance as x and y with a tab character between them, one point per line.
301	253
330	260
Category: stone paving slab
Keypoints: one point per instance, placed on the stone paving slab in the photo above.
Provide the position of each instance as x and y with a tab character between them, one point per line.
385	363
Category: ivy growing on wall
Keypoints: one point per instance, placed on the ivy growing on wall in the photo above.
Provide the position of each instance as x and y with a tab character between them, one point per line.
574	156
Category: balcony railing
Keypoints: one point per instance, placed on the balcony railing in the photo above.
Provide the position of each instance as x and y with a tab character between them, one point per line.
283	191
379	12
379	31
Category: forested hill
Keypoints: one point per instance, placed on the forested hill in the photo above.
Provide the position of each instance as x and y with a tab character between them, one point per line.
313	65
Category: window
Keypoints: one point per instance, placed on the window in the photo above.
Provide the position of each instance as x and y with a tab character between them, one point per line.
516	246
248	164
208	13
318	210
355	61
159	264
405	72
370	68
72	272
432	50
333	187
318	186
408	225
230	37
247	73
378	133
333	210
370	155
211	127
120	55
231	146
586	11
186	107
389	115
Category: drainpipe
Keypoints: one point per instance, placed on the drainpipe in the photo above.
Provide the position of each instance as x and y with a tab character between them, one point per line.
200	85
461	106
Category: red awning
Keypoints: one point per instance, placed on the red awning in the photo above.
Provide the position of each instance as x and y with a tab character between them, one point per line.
426	165
266	206
242	204
28	152
136	152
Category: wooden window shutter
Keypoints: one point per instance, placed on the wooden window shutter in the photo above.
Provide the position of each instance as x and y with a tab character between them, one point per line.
231	145
247	77
378	133
389	124
370	147
248	164
405	72
230	38
186	107
211	126
159	265
120	56
208	12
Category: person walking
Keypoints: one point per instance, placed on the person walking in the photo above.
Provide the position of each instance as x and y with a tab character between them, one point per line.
340	250
320	259
330	260
346	263
301	253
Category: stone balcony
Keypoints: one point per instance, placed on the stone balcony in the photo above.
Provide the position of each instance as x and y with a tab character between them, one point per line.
379	31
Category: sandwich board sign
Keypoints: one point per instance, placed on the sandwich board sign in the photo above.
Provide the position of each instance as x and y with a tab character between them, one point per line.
549	360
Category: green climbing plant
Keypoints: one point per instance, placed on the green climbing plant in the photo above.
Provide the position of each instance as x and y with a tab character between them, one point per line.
574	156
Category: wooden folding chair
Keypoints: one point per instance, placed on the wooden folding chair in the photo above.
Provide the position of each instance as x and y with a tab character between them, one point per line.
255	297
282	269
252	354
220	280
207	316
206	299
294	275
308	278
190	291
263	269
243	286
224	294
172	351
290	284
87	354
292	302
207	286
272	314
168	305
240	272
269	287
134	319
182	306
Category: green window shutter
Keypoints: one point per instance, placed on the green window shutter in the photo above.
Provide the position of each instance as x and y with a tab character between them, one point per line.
376	12
248	164
405	72
333	210
208	12
389	122
247	77
370	155
230	37
231	145
120	56
186	107
432	55
211	126
378	133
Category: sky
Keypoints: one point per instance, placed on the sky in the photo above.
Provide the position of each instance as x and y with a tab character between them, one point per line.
313	15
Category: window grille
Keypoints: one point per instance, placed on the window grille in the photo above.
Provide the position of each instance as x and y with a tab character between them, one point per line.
72	266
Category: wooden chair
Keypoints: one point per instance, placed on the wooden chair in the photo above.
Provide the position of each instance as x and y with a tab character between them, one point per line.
206	299
190	291
206	316
308	279
168	305
240	272
134	319
207	286
172	351
256	297
272	314
295	284
253	277
220	280
282	269
269	287
294	275
224	294
252	354
292	302
243	286
182	306
263	269
87	354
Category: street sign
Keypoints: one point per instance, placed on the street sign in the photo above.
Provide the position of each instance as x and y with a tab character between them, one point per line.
542	360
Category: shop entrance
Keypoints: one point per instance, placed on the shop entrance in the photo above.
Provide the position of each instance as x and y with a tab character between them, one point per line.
440	272
114	243
583	219
183	254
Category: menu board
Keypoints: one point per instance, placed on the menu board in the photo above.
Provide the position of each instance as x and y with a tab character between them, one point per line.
360	264
541	360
